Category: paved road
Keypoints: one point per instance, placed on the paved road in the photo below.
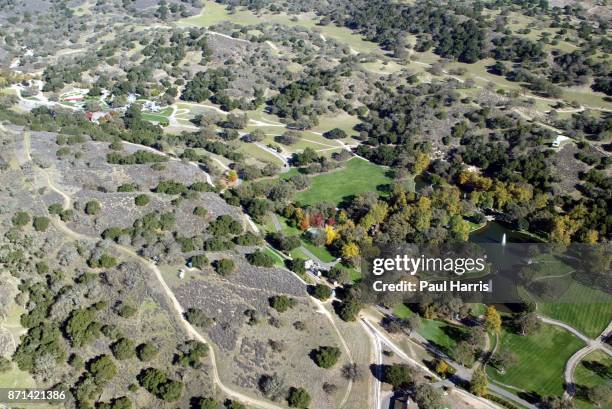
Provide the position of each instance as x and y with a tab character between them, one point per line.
572	363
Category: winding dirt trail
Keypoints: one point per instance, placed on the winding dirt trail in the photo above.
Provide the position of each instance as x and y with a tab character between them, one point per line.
176	306
178	309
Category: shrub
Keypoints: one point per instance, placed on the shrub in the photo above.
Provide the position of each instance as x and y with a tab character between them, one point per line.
196	317
200	211
199	261
224	267
326	357
335	133
5	365
56	208
322	292
398	375
297	265
298	398
282	303
103	369
260	259
157	383
104	261
126	310
124	348
20	219
142	200
41	223
146	351
92	207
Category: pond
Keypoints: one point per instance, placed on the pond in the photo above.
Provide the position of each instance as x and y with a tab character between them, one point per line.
494	231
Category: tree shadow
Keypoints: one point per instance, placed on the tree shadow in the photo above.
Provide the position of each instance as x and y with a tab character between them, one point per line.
600	369
454	333
581	392
531	397
378	371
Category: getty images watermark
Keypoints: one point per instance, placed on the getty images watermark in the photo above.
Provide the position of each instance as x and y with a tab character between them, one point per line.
423	264
489	272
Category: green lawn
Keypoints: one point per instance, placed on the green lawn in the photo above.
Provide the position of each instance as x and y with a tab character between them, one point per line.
590	314
541	356
320	252
278	260
594	369
402	311
359	176
442	335
154	117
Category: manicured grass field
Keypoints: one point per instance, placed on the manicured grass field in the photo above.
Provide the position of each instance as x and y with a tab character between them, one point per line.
442	335
320	252
155	117
541	360
359	176
594	369
584	308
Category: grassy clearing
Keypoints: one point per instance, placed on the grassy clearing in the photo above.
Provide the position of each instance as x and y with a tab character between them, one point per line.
253	151
155	118
10	323
382	67
359	176
594	369
542	357
442	335
214	13
321	252
590	311
342	121
402	311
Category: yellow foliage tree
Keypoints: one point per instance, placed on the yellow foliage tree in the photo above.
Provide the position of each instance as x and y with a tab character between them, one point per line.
492	319
350	251
330	234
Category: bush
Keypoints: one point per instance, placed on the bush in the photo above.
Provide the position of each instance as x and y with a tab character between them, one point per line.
146	352
298	398
322	292
157	383
103	369
41	223
20	219
170	187
142	200
123	349
335	133
56	208
92	207
297	265
282	303
398	375
200	211
104	261
198	261
224	267
126	310
5	365
326	357
207	403
260	259
196	317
